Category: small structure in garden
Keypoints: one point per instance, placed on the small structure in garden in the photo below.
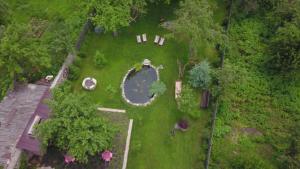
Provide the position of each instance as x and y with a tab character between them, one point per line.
69	159
136	84
89	83
107	155
205	99
182	125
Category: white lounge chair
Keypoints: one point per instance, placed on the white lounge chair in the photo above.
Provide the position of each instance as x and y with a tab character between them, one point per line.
144	37
138	39
156	39
161	41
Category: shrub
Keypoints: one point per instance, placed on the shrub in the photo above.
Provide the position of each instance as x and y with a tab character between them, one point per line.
111	90
99	59
157	87
138	67
81	55
200	75
187	102
74	73
23	162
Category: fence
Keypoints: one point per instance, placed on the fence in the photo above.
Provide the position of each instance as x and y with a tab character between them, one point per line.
61	76
215	111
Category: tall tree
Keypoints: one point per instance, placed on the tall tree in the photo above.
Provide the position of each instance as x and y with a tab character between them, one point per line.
200	75
21	54
75	127
285	48
194	23
111	14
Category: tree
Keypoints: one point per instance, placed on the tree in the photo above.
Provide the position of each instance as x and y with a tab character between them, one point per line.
285	48
158	87
21	54
200	75
75	127
194	23
187	102
111	14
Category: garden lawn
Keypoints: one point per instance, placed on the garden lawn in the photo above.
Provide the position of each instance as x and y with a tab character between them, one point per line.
152	146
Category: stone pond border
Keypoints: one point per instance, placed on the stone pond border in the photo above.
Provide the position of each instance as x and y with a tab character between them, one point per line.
123	81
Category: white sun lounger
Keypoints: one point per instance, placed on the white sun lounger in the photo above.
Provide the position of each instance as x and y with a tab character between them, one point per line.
144	37
156	39
161	41
138	39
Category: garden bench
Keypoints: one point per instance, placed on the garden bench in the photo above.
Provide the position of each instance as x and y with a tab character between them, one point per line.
144	37
138	39
161	41
156	39
178	86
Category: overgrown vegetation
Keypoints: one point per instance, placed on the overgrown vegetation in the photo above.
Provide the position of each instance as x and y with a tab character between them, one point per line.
260	101
75	127
34	42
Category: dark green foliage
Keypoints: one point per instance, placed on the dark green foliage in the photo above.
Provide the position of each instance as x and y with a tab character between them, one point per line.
82	55
74	72
4	12
200	75
75	127
22	55
285	48
110	14
246	161
99	59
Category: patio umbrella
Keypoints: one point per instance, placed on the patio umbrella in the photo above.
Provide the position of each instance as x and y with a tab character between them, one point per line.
107	155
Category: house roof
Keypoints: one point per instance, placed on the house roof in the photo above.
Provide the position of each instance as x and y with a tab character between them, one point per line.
27	141
16	110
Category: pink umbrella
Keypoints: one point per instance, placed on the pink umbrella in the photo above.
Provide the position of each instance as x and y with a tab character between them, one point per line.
69	159
107	155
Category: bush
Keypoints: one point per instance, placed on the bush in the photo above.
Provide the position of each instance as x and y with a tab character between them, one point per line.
200	75
187	102
99	59
74	73
111	90
81	55
157	87
138	67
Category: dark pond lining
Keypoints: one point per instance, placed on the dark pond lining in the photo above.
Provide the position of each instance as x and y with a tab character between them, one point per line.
137	85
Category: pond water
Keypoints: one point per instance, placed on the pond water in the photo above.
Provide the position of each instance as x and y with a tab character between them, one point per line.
137	85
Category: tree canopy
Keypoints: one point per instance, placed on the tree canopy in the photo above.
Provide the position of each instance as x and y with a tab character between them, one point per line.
194	24
21	54
111	14
200	75
75	127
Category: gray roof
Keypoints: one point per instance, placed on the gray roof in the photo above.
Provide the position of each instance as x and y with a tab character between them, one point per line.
16	110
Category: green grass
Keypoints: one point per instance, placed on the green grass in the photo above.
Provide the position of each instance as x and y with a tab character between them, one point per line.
152	144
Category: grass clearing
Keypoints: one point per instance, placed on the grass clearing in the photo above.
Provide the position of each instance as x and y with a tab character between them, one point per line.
152	145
